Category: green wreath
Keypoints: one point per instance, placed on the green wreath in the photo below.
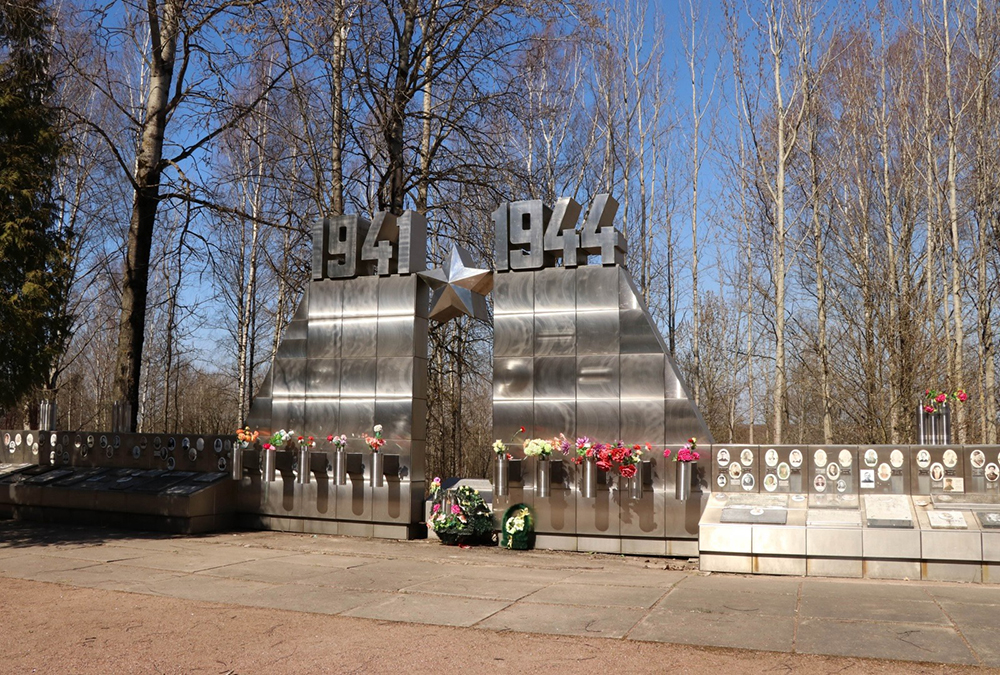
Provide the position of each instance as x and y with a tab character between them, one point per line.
518	528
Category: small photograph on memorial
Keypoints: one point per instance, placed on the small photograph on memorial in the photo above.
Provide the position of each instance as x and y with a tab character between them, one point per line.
747	481
819	458
950	458
953	484
795	458
770	482
896	458
841	485
867	479
884	472
937	472
833	471
771	457
992	473
845	458
722	481
784	471
746	457
723	457
923	459
735	470
820	483
978	458
871	457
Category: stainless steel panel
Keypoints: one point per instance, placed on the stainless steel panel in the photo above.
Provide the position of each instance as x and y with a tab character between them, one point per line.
514	293
683	421
553	418
599	516
292	349
289	377
298	327
359	338
513	335
400	376
322	417
598	419
555	290
357	416
610	545
324	339
555	377
556	542
646	547
596	288
637	333
642	376
646	517
326	300
597	332
555	333
361	297
287	414
597	377
323	378
642	422
886	543
398	336
395	417
358	377
354	503
513	378
832	542
396	296
509	415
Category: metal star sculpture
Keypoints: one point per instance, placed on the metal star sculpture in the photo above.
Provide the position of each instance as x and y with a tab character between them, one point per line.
457	287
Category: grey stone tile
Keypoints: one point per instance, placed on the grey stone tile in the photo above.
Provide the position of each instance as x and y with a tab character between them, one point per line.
597	596
872	609
96	553
431	609
973	615
386	575
30	565
109	577
271	571
902	641
745	584
319	600
609	622
684	598
984	642
330	561
190	561
476	586
717	629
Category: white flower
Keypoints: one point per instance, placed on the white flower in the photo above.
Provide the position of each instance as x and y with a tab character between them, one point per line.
378	428
499	447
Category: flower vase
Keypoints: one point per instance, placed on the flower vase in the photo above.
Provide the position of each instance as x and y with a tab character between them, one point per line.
501	476
635	484
682	487
304	472
377	478
236	467
588	485
340	467
542	476
270	461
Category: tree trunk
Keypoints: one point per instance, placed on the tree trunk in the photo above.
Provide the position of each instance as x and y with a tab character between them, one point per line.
146	199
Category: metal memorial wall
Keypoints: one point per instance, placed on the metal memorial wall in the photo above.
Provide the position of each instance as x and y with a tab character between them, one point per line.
577	352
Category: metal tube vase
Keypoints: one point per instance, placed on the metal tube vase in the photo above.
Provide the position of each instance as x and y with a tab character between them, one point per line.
270	460
501	476
542	476
304	472
340	467
378	464
236	466
635	484
588	484
682	488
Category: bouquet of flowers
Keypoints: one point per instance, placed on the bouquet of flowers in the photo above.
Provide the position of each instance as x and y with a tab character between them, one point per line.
688	453
459	516
562	444
375	442
537	447
306	442
630	459
934	398
338	442
499	447
584	450
245	438
278	440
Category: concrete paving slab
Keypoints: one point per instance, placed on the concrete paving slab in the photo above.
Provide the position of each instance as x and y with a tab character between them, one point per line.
629	577
477	586
378	575
108	577
208	589
325	560
191	561
685	598
717	629
973	615
847	592
99	553
976	594
608	622
984	643
746	584
270	571
30	565
903	641
433	609
872	609
569	593
318	600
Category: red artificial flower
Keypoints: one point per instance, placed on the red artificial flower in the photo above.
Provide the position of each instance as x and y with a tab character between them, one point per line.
941	398
329	438
962	396
603	465
300	438
521	430
666	453
627	470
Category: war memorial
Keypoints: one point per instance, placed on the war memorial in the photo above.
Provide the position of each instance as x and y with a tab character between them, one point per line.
577	356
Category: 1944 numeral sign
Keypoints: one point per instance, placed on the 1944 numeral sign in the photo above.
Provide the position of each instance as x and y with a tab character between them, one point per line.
530	235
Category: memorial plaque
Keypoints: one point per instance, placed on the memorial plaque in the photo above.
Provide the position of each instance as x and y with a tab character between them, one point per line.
990	520
754	515
833	518
947	520
888	511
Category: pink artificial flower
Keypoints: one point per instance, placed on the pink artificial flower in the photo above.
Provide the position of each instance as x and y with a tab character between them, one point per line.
603	464
962	396
627	471
456	509
437	507
941	398
928	408
666	453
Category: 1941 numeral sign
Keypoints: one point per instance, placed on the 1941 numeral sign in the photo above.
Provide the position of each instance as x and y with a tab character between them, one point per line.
349	246
530	235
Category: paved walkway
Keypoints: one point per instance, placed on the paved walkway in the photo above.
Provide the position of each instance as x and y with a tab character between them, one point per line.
534	592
